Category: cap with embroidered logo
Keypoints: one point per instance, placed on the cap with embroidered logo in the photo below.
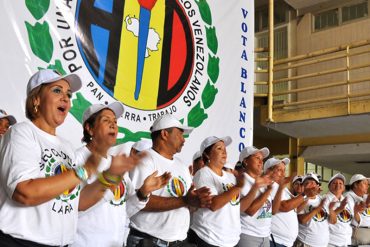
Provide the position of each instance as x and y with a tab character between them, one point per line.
168	121
46	76
250	150
273	162
209	141
116	107
338	175
10	118
357	177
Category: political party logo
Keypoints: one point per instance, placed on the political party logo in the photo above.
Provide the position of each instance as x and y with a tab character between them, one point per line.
319	216
177	187
266	210
54	167
345	216
155	56
120	194
236	199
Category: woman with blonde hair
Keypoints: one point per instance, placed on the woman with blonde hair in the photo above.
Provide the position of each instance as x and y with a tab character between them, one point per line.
40	189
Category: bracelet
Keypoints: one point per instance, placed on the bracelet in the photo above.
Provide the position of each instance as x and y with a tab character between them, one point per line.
104	182
141	196
81	173
304	196
113	179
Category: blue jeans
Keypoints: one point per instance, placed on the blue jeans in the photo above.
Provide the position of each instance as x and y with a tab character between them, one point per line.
272	244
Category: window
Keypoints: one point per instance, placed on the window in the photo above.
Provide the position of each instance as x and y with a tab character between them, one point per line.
356	11
281	12
338	16
326	19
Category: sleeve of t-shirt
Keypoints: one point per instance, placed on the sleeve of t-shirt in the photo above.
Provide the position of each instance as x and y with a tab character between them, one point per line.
142	171
247	186
133	205
274	190
204	178
351	204
19	158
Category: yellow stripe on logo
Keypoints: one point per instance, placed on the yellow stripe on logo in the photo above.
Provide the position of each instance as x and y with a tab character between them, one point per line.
177	186
126	71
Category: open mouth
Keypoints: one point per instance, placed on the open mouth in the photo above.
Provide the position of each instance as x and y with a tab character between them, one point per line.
61	109
112	134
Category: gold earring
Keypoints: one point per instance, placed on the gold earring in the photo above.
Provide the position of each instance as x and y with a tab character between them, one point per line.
35	108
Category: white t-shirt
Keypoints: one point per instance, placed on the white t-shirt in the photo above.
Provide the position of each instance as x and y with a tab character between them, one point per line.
103	224
258	225
30	153
169	225
222	227
341	232
284	226
316	231
365	215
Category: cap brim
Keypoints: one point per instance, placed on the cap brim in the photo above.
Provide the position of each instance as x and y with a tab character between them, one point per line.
117	108
286	161
11	119
265	152
187	130
73	80
227	140
368	179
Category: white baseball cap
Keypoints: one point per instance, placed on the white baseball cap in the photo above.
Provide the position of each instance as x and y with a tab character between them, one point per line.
142	145
168	121
116	107
311	176
273	162
197	155
230	165
357	177
250	150
296	178
209	141
11	118
338	175
46	76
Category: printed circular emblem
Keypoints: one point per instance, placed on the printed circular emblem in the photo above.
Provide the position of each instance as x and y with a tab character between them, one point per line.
345	216
177	187
265	211
120	194
155	56
366	212
320	216
54	167
236	199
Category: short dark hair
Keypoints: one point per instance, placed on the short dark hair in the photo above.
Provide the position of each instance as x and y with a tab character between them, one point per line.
154	135
89	122
205	154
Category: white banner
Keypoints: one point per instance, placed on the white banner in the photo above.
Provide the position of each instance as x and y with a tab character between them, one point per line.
190	58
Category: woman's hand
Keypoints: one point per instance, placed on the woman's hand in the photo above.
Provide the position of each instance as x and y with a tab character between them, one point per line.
122	163
154	182
92	163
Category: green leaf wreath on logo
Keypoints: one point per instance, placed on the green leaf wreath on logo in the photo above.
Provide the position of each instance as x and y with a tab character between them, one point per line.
38	8
42	46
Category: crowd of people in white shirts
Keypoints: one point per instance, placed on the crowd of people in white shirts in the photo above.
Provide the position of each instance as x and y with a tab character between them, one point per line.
52	195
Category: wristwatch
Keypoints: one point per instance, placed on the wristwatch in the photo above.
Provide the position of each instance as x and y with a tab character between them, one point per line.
141	196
